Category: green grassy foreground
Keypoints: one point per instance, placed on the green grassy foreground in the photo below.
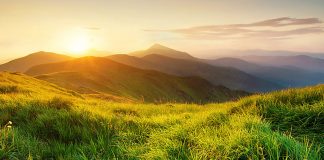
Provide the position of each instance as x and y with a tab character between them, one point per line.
42	121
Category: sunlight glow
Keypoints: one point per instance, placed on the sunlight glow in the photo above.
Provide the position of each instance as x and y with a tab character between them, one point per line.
78	44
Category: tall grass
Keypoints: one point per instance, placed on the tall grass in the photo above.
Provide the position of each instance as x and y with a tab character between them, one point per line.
51	123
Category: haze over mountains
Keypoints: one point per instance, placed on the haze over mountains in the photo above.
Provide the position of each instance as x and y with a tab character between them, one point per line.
287	76
160	73
299	71
258	52
300	61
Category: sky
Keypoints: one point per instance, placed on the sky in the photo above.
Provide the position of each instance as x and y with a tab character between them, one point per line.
203	28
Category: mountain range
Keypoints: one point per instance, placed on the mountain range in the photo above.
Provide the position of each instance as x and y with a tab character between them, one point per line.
95	74
300	61
259	52
163	74
227	76
285	75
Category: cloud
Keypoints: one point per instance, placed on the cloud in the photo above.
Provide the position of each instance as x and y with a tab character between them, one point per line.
283	21
279	28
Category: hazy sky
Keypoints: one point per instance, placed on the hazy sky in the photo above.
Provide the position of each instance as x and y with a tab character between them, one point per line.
203	27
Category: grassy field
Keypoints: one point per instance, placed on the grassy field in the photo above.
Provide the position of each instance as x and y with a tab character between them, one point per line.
42	121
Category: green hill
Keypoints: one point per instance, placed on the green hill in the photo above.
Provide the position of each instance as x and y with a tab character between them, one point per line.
93	74
40	120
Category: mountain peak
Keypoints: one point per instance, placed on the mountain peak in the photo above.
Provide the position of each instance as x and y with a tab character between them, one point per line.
160	47
45	54
162	50
39	52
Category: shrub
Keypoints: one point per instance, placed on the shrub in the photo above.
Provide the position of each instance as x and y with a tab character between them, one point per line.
124	112
8	89
60	103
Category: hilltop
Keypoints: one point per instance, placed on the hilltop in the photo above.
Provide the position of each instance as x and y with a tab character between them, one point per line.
24	63
49	122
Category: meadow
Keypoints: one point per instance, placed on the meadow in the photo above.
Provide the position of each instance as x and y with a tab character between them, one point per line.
40	120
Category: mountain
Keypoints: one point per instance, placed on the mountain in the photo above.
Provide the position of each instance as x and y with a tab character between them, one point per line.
283	75
24	63
242	53
229	77
133	61
235	63
101	75
162	50
97	53
2	61
300	61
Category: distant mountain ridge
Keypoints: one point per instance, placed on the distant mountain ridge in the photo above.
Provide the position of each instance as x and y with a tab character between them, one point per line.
233	62
24	63
258	52
287	76
299	61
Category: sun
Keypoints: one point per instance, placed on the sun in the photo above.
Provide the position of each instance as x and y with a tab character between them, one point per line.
78	44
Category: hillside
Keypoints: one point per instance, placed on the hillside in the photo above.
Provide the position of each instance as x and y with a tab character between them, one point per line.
235	63
133	61
162	50
92	74
42	121
229	77
286	76
2	61
24	63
